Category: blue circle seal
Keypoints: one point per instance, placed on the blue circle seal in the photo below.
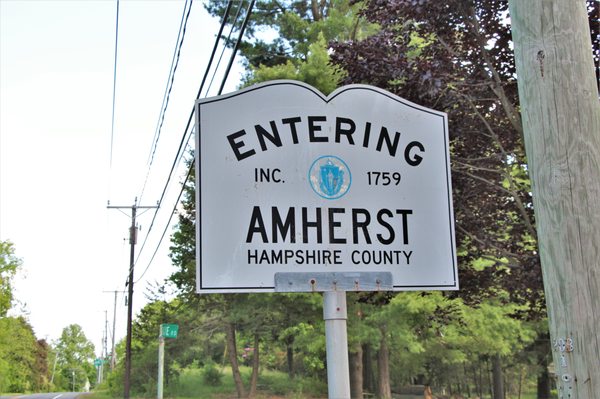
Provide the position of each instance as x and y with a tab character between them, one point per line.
330	177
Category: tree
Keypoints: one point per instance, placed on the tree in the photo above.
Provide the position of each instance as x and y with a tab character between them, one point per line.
9	265
22	358
454	56
253	318
41	369
315	69
292	26
75	357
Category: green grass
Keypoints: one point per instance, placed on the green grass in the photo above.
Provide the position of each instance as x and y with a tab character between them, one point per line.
271	384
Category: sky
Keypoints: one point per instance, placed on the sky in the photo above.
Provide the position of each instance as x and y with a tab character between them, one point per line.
58	169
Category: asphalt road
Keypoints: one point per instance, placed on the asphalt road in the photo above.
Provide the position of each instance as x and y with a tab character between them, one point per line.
52	395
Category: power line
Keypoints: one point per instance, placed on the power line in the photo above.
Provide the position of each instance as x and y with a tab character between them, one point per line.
112	129
237	44
237	14
242	29
168	222
112	126
184	141
214	50
170	80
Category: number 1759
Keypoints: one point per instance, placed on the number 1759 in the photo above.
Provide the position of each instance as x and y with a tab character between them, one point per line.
383	178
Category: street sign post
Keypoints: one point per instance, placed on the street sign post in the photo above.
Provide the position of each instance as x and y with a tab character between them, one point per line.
166	331
99	364
298	191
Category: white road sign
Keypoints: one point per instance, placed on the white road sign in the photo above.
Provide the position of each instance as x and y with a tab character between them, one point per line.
291	180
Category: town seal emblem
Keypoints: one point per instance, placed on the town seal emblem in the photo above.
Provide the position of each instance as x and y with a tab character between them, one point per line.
329	177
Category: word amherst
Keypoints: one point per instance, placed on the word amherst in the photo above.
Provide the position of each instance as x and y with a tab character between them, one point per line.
328	225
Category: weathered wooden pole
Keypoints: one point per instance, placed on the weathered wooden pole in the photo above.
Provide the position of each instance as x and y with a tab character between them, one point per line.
561	121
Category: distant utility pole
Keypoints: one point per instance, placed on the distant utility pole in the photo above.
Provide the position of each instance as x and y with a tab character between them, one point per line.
132	242
113	355
561	122
105	341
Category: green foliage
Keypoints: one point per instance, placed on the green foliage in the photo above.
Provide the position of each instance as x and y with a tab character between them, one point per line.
491	329
9	265
23	359
282	30
278	383
190	383
431	337
211	375
439	55
75	357
315	69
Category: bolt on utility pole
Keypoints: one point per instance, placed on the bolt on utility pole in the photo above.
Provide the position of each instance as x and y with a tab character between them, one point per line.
132	242
561	122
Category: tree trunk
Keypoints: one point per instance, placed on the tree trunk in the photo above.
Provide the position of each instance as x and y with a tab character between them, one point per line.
255	365
290	360
543	378
497	377
490	378
467	385
356	373
480	379
368	372
232	352
384	389
561	120
316	11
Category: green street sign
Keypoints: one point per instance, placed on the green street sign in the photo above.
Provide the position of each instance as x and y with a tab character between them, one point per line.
98	362
169	330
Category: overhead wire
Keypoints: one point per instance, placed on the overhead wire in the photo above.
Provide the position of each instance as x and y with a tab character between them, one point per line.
192	164
112	128
237	14
185	134
167	225
237	44
169	86
214	50
185	137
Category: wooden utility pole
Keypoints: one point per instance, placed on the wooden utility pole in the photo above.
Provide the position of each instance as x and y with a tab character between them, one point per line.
132	242
113	354
561	121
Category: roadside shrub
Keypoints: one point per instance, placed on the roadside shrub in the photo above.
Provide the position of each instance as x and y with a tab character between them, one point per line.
211	375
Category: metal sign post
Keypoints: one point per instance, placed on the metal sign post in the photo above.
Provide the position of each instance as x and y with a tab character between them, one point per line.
161	365
335	314
166	331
